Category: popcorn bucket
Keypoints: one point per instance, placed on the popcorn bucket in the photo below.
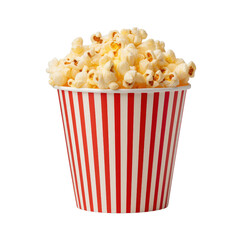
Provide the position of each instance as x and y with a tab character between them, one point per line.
122	146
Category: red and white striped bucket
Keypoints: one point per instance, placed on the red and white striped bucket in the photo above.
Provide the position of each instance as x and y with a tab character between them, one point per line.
122	146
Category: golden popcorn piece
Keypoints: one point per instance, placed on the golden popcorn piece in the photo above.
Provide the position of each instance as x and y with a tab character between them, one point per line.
123	67
149	77
143	33
171	80
103	60
150	55
147	45
77	46
171	67
97	38
191	69
113	34
80	79
129	78
158	76
170	56
179	61
58	78
182	72
113	86
52	65
144	65
109	76
160	45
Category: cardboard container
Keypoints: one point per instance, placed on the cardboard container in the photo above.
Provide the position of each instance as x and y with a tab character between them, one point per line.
122	146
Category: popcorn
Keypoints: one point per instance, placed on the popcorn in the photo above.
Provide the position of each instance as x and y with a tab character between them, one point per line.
91	78
158	76
113	34
97	38
129	54
109	76
171	67
103	60
129	78
191	69
160	45
171	80
125	31
144	65
182	72
170	56
143	33
109	66
80	78
113	86
179	61
77	45
52	65
120	60
77	42
58	78
150	55
149	75
165	71
123	67
147	45
74	72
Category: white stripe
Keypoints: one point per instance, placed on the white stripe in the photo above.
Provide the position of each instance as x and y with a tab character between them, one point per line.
165	143
146	149
156	149
124	108
136	127
90	149
98	111
74	146
176	146
171	146
111	132
80	141
68	147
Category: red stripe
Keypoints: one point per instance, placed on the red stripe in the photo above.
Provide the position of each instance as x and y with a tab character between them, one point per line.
67	148
168	147
106	149
129	149
175	143
77	147
71	148
164	118
85	148
117	108
151	149
95	149
141	148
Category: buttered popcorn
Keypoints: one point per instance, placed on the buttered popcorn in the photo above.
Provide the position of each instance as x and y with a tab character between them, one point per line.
120	60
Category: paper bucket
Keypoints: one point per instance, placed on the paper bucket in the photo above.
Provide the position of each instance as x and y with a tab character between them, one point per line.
122	146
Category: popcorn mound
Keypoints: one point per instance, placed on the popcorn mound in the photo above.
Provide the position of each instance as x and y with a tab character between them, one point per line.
120	60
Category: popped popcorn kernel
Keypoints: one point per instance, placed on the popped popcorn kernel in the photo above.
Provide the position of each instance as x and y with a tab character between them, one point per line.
170	56
121	59
129	79
113	86
149	77
58	78
191	69
97	38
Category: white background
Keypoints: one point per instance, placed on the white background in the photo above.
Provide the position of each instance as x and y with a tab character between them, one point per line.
36	195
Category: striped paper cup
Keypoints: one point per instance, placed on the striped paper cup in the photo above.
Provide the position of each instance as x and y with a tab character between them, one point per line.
122	146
